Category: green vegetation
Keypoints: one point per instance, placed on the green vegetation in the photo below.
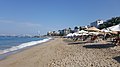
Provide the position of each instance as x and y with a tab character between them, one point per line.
111	22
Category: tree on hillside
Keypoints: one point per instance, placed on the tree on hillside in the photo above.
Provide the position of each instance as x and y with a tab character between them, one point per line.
76	27
80	28
111	22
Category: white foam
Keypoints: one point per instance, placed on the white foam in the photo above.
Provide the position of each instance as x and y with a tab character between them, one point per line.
24	45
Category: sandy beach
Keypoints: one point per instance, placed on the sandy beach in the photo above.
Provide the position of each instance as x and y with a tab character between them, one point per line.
64	53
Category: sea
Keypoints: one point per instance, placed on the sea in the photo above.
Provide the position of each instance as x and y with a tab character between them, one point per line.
12	44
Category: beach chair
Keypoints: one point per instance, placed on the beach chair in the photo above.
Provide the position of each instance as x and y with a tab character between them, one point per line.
116	41
93	39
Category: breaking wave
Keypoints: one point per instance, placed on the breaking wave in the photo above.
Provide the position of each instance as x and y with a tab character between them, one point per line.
23	45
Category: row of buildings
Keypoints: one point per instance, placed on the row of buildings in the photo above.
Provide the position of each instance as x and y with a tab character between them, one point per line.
76	29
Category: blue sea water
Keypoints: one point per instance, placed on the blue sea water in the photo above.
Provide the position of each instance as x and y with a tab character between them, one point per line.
8	44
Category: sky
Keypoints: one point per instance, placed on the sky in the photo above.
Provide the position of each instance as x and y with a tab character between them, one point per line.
40	16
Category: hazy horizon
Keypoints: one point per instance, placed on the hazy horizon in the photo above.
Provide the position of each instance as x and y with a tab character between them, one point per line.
33	17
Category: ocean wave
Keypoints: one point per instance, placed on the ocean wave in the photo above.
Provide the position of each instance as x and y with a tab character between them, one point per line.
23	45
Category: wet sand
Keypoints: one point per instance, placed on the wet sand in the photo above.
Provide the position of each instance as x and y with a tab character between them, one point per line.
63	53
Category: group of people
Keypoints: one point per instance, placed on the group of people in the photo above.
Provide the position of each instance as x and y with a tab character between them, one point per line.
92	38
116	40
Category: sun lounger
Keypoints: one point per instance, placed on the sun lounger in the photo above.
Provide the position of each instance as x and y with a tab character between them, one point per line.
116	41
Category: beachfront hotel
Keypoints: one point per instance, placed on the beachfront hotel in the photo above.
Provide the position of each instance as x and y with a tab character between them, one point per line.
96	23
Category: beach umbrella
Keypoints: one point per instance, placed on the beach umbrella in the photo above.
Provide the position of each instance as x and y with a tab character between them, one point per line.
85	34
94	29
76	34
106	30
114	32
83	31
115	28
95	33
69	35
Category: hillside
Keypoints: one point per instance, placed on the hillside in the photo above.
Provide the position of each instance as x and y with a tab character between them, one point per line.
111	22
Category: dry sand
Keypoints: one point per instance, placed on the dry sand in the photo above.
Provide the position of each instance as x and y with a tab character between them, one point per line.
59	53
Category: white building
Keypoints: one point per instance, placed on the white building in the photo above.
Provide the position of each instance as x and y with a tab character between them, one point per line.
96	23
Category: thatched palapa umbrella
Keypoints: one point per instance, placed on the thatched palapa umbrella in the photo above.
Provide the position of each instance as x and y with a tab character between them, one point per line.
93	29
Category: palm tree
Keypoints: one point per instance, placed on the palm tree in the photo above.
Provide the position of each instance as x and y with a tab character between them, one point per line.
69	30
80	28
76	29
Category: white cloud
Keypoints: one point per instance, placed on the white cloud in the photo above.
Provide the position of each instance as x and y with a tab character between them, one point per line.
15	27
28	24
31	24
6	21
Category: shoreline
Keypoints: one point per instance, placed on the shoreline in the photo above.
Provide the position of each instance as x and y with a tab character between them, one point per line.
61	53
3	56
